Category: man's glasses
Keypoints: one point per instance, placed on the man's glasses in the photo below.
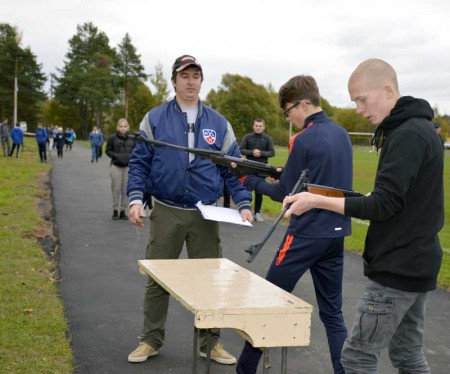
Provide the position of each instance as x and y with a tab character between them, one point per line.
286	112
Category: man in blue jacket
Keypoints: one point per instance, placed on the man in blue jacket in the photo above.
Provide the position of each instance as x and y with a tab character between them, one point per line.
41	140
402	253
96	141
17	138
315	241
177	181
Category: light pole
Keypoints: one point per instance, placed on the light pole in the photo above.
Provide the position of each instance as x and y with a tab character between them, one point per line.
16	88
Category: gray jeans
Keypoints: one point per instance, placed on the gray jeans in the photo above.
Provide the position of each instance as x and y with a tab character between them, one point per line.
386	317
119	179
6	146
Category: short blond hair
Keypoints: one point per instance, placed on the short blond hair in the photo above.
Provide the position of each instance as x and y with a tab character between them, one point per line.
378	72
122	121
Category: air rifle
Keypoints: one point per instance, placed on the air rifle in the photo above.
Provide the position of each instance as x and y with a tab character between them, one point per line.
218	158
254	249
301	185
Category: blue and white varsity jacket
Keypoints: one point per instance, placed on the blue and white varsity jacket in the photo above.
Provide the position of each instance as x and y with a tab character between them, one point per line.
167	174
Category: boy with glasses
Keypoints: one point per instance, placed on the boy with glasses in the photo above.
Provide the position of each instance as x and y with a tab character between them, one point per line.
315	241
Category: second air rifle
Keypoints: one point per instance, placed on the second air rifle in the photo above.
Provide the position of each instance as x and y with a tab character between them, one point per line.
218	158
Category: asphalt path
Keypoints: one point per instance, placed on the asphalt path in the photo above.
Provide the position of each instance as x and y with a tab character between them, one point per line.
102	289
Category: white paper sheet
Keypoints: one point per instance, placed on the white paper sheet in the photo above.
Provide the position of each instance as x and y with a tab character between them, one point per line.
215	213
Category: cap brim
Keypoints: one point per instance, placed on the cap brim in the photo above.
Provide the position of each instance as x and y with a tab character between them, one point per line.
182	67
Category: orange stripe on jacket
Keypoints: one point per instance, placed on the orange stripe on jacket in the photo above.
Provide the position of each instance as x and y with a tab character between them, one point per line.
286	246
292	139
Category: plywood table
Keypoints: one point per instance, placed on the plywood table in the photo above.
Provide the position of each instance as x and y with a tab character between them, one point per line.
222	294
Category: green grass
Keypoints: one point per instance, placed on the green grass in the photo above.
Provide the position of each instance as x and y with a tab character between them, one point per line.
364	168
32	324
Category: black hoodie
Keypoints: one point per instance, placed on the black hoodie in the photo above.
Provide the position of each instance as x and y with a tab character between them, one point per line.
406	208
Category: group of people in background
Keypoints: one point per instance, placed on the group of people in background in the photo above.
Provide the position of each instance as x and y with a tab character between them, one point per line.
47	139
51	138
57	138
16	135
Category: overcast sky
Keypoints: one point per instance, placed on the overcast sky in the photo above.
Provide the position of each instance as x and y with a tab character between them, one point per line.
266	40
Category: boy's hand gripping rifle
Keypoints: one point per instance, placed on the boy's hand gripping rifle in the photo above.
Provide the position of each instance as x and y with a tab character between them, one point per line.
254	249
218	158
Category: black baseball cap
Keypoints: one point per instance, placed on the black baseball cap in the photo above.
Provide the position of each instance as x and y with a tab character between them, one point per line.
185	61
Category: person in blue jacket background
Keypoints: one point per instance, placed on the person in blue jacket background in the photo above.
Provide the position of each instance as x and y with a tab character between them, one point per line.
96	141
41	140
17	139
314	241
177	181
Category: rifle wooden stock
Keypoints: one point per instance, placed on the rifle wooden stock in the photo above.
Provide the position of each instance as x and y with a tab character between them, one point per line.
330	191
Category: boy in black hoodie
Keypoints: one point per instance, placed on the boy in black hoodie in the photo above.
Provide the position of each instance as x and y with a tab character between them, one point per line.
402	253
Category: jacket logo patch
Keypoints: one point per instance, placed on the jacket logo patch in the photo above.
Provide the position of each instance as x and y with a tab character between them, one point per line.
209	136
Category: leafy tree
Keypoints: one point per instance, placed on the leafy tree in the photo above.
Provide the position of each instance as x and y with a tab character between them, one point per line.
160	83
140	102
353	122
241	100
327	107
54	113
87	84
129	70
19	62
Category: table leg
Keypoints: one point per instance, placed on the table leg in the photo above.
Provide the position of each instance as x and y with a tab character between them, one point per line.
208	351
195	351
283	360
266	360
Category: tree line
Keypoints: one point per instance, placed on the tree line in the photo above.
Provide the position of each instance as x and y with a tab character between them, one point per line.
98	84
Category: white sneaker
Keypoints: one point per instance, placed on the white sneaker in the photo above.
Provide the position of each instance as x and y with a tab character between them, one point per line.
220	355
258	217
142	353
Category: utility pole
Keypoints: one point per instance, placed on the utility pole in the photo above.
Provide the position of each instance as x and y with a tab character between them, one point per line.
16	88
51	86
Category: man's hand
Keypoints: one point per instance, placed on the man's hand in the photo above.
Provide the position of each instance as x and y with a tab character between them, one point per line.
256	153
301	203
237	171
246	215
273	180
134	215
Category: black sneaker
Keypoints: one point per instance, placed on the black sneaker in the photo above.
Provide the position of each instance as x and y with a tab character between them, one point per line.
123	215
115	215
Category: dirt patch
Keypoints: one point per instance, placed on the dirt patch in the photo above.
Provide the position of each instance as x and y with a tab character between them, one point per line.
46	235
